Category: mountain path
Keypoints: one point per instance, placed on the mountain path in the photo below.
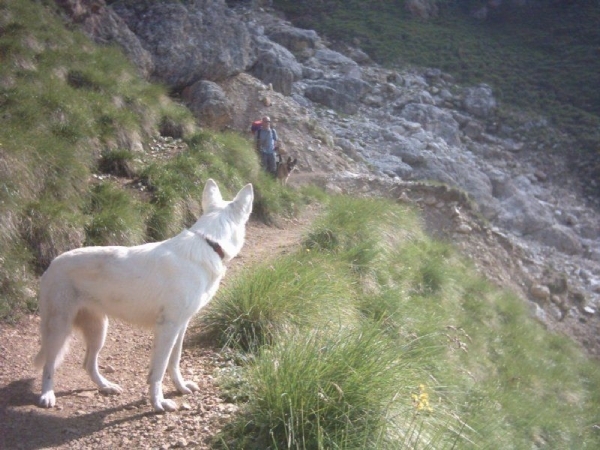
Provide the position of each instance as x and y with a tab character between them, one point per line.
84	418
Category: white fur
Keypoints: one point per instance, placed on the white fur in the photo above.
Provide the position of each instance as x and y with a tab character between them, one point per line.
159	285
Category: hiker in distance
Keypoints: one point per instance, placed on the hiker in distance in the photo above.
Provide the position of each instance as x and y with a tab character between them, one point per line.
266	142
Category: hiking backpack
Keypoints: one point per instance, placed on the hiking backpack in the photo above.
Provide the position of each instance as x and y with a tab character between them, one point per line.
256	125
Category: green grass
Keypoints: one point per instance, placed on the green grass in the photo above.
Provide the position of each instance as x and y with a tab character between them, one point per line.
73	113
418	351
295	291
116	217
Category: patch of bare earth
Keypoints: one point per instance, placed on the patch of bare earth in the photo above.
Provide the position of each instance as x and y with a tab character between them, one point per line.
84	418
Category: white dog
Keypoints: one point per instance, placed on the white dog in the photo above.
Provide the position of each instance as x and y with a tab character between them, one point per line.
159	285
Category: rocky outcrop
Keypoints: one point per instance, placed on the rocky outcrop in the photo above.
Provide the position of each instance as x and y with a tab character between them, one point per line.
189	41
275	65
209	103
479	101
104	26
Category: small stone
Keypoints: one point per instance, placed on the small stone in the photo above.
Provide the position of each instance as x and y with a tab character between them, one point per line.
463	228
86	394
181	443
540	292
589	310
430	200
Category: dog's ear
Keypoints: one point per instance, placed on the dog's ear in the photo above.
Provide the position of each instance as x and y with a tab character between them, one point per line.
211	195
242	203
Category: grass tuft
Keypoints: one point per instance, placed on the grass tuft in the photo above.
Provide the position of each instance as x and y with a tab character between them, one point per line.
419	352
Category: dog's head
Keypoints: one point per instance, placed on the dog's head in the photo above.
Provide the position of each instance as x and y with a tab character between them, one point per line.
224	222
291	164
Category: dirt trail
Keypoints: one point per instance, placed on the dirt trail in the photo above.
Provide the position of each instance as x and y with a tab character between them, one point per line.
86	419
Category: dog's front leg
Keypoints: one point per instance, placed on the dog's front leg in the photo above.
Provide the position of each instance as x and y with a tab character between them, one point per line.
165	336
48	399
185	387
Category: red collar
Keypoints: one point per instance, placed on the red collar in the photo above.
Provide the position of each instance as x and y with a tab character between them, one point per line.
216	247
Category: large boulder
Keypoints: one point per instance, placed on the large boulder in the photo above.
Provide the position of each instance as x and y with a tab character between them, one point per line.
302	43
437	121
209	103
189	41
334	63
277	66
479	101
342	94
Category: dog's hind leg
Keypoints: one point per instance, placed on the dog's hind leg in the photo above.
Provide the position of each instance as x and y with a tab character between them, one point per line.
185	387
93	327
165	336
55	332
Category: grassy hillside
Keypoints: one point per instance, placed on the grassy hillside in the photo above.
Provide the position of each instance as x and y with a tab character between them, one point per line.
542	60
80	162
373	336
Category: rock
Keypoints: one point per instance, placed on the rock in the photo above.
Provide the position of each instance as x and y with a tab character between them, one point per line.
277	66
209	103
302	43
182	37
540	292
578	298
560	237
479	101
473	129
341	94
334	63
430	200
463	228
540	175
103	26
435	120
181	443
538	312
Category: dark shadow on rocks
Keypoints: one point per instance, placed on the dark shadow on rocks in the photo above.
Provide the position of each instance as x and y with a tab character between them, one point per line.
44	428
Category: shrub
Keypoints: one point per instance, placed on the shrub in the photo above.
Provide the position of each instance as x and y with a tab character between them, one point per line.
296	291
117	218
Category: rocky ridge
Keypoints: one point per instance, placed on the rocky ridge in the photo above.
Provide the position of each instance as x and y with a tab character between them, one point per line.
361	128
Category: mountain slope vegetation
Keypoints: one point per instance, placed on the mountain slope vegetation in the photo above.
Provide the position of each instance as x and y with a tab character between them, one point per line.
543	58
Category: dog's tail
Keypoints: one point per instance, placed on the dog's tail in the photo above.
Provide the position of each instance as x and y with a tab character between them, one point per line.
55	331
40	359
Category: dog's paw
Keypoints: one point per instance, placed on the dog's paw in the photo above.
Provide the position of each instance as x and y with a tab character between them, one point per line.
111	389
165	405
48	400
188	387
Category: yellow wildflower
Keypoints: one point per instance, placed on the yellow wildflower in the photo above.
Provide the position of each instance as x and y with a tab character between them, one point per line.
421	400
